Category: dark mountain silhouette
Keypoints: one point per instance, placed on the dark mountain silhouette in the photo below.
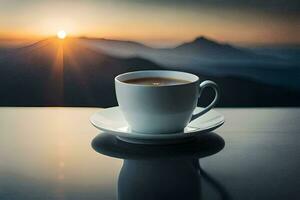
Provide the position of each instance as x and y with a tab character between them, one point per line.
55	72
71	73
204	47
206	56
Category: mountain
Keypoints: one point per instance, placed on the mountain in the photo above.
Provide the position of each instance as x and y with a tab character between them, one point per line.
207	48
206	56
71	72
55	72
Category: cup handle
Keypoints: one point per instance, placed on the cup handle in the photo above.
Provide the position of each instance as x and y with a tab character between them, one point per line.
203	85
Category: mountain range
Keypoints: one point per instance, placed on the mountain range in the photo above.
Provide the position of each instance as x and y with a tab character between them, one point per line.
206	56
81	71
201	47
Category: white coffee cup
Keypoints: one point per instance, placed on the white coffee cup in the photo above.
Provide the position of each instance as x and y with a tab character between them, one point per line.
161	109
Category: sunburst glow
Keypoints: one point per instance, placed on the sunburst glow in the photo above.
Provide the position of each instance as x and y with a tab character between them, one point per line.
61	34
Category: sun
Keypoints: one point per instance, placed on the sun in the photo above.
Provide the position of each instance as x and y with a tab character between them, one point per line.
61	34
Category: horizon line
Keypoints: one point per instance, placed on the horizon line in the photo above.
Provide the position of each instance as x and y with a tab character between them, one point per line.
245	44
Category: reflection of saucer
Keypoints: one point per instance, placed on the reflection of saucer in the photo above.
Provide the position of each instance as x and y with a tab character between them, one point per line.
112	121
202	146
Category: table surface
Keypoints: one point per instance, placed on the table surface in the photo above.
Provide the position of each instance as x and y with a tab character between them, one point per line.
46	153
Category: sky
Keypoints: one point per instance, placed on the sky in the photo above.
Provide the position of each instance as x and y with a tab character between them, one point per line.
155	22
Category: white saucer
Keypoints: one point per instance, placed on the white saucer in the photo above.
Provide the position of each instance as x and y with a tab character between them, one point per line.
111	121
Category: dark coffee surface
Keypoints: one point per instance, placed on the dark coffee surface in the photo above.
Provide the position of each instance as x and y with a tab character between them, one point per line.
156	81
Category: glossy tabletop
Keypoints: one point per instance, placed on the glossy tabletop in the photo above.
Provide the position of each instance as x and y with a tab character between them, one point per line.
55	153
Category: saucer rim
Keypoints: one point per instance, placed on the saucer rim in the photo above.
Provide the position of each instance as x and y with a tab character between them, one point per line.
169	136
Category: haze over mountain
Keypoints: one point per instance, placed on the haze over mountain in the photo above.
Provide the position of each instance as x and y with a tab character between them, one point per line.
201	46
206	56
80	72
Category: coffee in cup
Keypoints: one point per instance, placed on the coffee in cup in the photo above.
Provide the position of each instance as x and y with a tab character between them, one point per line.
156	81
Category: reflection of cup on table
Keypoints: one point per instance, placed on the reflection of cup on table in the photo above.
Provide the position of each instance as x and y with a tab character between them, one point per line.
162	171
159	179
160	101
